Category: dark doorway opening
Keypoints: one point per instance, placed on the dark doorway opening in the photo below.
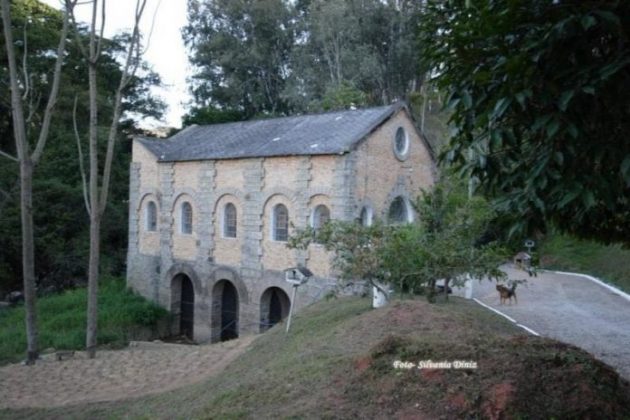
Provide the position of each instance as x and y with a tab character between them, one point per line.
274	307
224	311
183	305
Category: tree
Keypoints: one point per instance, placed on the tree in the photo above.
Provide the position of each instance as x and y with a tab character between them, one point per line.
277	57
541	107
445	244
240	50
97	190
357	250
27	159
61	226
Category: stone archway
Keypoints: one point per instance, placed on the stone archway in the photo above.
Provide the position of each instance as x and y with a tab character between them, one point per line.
274	307
183	304
225	308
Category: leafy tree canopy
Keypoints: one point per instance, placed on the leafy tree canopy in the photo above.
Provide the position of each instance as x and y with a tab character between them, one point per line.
61	225
540	99
277	57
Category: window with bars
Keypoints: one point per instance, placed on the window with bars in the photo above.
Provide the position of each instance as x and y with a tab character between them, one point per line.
186	218
321	216
229	221
280	223
151	217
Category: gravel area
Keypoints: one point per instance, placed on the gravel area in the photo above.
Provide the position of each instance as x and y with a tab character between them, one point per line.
143	368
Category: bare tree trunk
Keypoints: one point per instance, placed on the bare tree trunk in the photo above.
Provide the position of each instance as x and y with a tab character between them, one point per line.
95	225
97	194
27	164
28	260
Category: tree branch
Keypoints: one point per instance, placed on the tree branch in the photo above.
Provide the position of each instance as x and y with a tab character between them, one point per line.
132	56
27	84
81	167
8	156
52	98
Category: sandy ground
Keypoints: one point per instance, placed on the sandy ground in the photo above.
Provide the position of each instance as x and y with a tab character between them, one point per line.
570	309
141	369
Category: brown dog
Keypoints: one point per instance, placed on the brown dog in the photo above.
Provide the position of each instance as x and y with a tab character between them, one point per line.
507	294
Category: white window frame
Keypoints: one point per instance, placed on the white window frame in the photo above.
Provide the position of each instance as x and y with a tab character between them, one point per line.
403	154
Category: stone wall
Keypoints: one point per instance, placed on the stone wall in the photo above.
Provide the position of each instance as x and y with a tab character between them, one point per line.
253	262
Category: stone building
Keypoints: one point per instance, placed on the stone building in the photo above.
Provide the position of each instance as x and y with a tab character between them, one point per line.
212	206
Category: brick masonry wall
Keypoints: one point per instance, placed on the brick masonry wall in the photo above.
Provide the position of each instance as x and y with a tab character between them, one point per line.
381	176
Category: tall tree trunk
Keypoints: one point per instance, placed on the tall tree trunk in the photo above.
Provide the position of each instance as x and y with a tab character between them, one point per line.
27	164
93	276
28	260
95	216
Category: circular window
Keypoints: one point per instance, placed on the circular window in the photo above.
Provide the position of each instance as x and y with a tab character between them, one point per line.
401	144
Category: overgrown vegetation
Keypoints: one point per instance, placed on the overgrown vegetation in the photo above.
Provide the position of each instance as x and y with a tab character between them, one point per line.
539	116
63	317
610	263
337	363
443	244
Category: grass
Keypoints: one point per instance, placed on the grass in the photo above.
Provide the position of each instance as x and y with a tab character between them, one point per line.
337	363
610	263
62	320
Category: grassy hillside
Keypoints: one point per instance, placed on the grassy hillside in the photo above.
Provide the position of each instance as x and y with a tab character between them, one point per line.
610	263
62	320
337	362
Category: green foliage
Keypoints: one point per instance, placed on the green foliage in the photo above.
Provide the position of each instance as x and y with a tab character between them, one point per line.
63	317
275	57
211	115
611	263
61	223
537	91
443	244
343	97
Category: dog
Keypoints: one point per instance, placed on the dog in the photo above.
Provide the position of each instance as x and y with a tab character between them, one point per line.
507	293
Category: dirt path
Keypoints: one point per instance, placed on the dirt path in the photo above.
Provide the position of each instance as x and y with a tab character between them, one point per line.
145	368
570	309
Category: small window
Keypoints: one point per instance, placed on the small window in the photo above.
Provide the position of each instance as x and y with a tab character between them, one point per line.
399	211
187	218
401	144
229	221
280	223
321	216
365	218
151	217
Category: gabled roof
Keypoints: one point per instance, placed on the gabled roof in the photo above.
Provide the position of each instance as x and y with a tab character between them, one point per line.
319	134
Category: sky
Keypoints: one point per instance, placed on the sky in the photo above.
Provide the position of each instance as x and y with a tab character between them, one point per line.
166	52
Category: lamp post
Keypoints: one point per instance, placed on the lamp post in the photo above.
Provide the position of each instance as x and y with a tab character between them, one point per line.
296	276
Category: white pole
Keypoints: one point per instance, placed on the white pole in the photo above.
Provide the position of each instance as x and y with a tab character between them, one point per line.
291	307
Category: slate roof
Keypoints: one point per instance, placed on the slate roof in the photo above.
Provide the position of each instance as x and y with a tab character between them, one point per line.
319	134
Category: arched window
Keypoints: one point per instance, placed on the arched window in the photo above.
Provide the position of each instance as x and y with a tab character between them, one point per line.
280	223
321	216
186	218
151	217
399	211
229	221
365	218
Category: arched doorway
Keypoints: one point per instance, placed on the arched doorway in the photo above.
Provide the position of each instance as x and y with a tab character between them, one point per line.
224	311
183	304
274	307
